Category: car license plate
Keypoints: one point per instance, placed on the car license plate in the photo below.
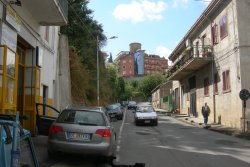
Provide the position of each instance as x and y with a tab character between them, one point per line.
79	136
147	121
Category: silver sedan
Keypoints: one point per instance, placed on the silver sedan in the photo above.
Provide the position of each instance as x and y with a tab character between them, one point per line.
145	114
82	131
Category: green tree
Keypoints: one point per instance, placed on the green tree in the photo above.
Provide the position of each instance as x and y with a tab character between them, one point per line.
148	83
120	87
127	92
82	32
112	81
134	83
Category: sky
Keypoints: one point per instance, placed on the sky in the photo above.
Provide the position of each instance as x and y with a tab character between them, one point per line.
159	25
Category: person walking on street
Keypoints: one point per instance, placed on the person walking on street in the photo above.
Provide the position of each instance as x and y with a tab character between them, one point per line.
205	112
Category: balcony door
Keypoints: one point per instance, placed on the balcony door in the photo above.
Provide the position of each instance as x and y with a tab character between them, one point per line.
192	86
193	110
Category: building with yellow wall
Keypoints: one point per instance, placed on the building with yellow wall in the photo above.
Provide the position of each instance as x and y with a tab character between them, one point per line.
29	55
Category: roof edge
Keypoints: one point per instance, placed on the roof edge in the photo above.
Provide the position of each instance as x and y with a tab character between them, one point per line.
202	17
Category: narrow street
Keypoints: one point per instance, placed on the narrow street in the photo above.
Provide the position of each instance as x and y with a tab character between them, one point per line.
171	143
187	58
177	144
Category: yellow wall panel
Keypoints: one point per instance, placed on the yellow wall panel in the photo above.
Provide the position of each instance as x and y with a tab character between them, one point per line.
1	98
29	101
40	99
30	123
30	112
50	102
40	108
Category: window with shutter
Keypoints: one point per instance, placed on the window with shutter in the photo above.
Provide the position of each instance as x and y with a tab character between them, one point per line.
206	87
223	27
226	81
215	34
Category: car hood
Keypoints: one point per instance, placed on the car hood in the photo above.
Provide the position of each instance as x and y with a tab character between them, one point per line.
146	114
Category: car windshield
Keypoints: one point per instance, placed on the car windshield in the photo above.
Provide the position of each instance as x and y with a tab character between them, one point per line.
145	109
132	102
112	107
81	117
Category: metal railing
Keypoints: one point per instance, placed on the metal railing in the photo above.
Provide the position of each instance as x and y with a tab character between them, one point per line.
205	52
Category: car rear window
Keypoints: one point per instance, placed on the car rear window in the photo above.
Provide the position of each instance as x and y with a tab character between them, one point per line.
145	108
82	117
132	102
112	107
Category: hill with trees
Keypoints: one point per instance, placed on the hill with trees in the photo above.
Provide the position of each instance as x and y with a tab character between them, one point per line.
83	31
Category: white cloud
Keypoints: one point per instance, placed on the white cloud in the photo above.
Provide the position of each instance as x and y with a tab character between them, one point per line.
140	10
163	51
206	2
177	3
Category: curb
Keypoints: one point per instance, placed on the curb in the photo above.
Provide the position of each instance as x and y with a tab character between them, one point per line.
186	121
230	132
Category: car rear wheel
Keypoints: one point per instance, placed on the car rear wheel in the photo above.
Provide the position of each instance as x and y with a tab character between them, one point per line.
111	159
108	160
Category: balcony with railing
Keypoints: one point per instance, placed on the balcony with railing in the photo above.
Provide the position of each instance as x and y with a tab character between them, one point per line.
48	12
190	60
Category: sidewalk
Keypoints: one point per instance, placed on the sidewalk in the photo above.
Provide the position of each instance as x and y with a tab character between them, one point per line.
213	126
162	111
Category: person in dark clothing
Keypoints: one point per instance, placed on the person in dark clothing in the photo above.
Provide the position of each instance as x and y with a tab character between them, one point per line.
205	112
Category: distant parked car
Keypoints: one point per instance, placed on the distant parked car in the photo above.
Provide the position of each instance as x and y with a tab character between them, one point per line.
114	111
131	105
145	114
82	130
124	103
119	104
144	103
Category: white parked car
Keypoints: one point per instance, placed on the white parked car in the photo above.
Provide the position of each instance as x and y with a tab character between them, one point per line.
145	114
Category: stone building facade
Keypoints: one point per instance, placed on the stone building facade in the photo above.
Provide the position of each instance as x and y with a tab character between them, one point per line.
211	63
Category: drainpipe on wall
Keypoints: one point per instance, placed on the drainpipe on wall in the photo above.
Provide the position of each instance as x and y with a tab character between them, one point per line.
212	64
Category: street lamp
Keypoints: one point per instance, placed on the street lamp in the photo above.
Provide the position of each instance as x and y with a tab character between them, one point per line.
97	68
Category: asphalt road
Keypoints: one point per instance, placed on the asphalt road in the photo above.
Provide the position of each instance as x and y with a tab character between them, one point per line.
172	143
176	144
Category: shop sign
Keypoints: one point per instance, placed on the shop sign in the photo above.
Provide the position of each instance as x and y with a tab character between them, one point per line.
13	19
9	37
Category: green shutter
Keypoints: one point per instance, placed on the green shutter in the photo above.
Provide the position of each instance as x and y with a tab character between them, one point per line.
165	99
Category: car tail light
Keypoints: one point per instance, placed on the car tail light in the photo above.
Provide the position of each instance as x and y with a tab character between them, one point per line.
104	132
55	129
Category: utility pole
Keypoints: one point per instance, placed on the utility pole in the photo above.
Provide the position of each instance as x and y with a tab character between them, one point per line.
97	68
97	71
